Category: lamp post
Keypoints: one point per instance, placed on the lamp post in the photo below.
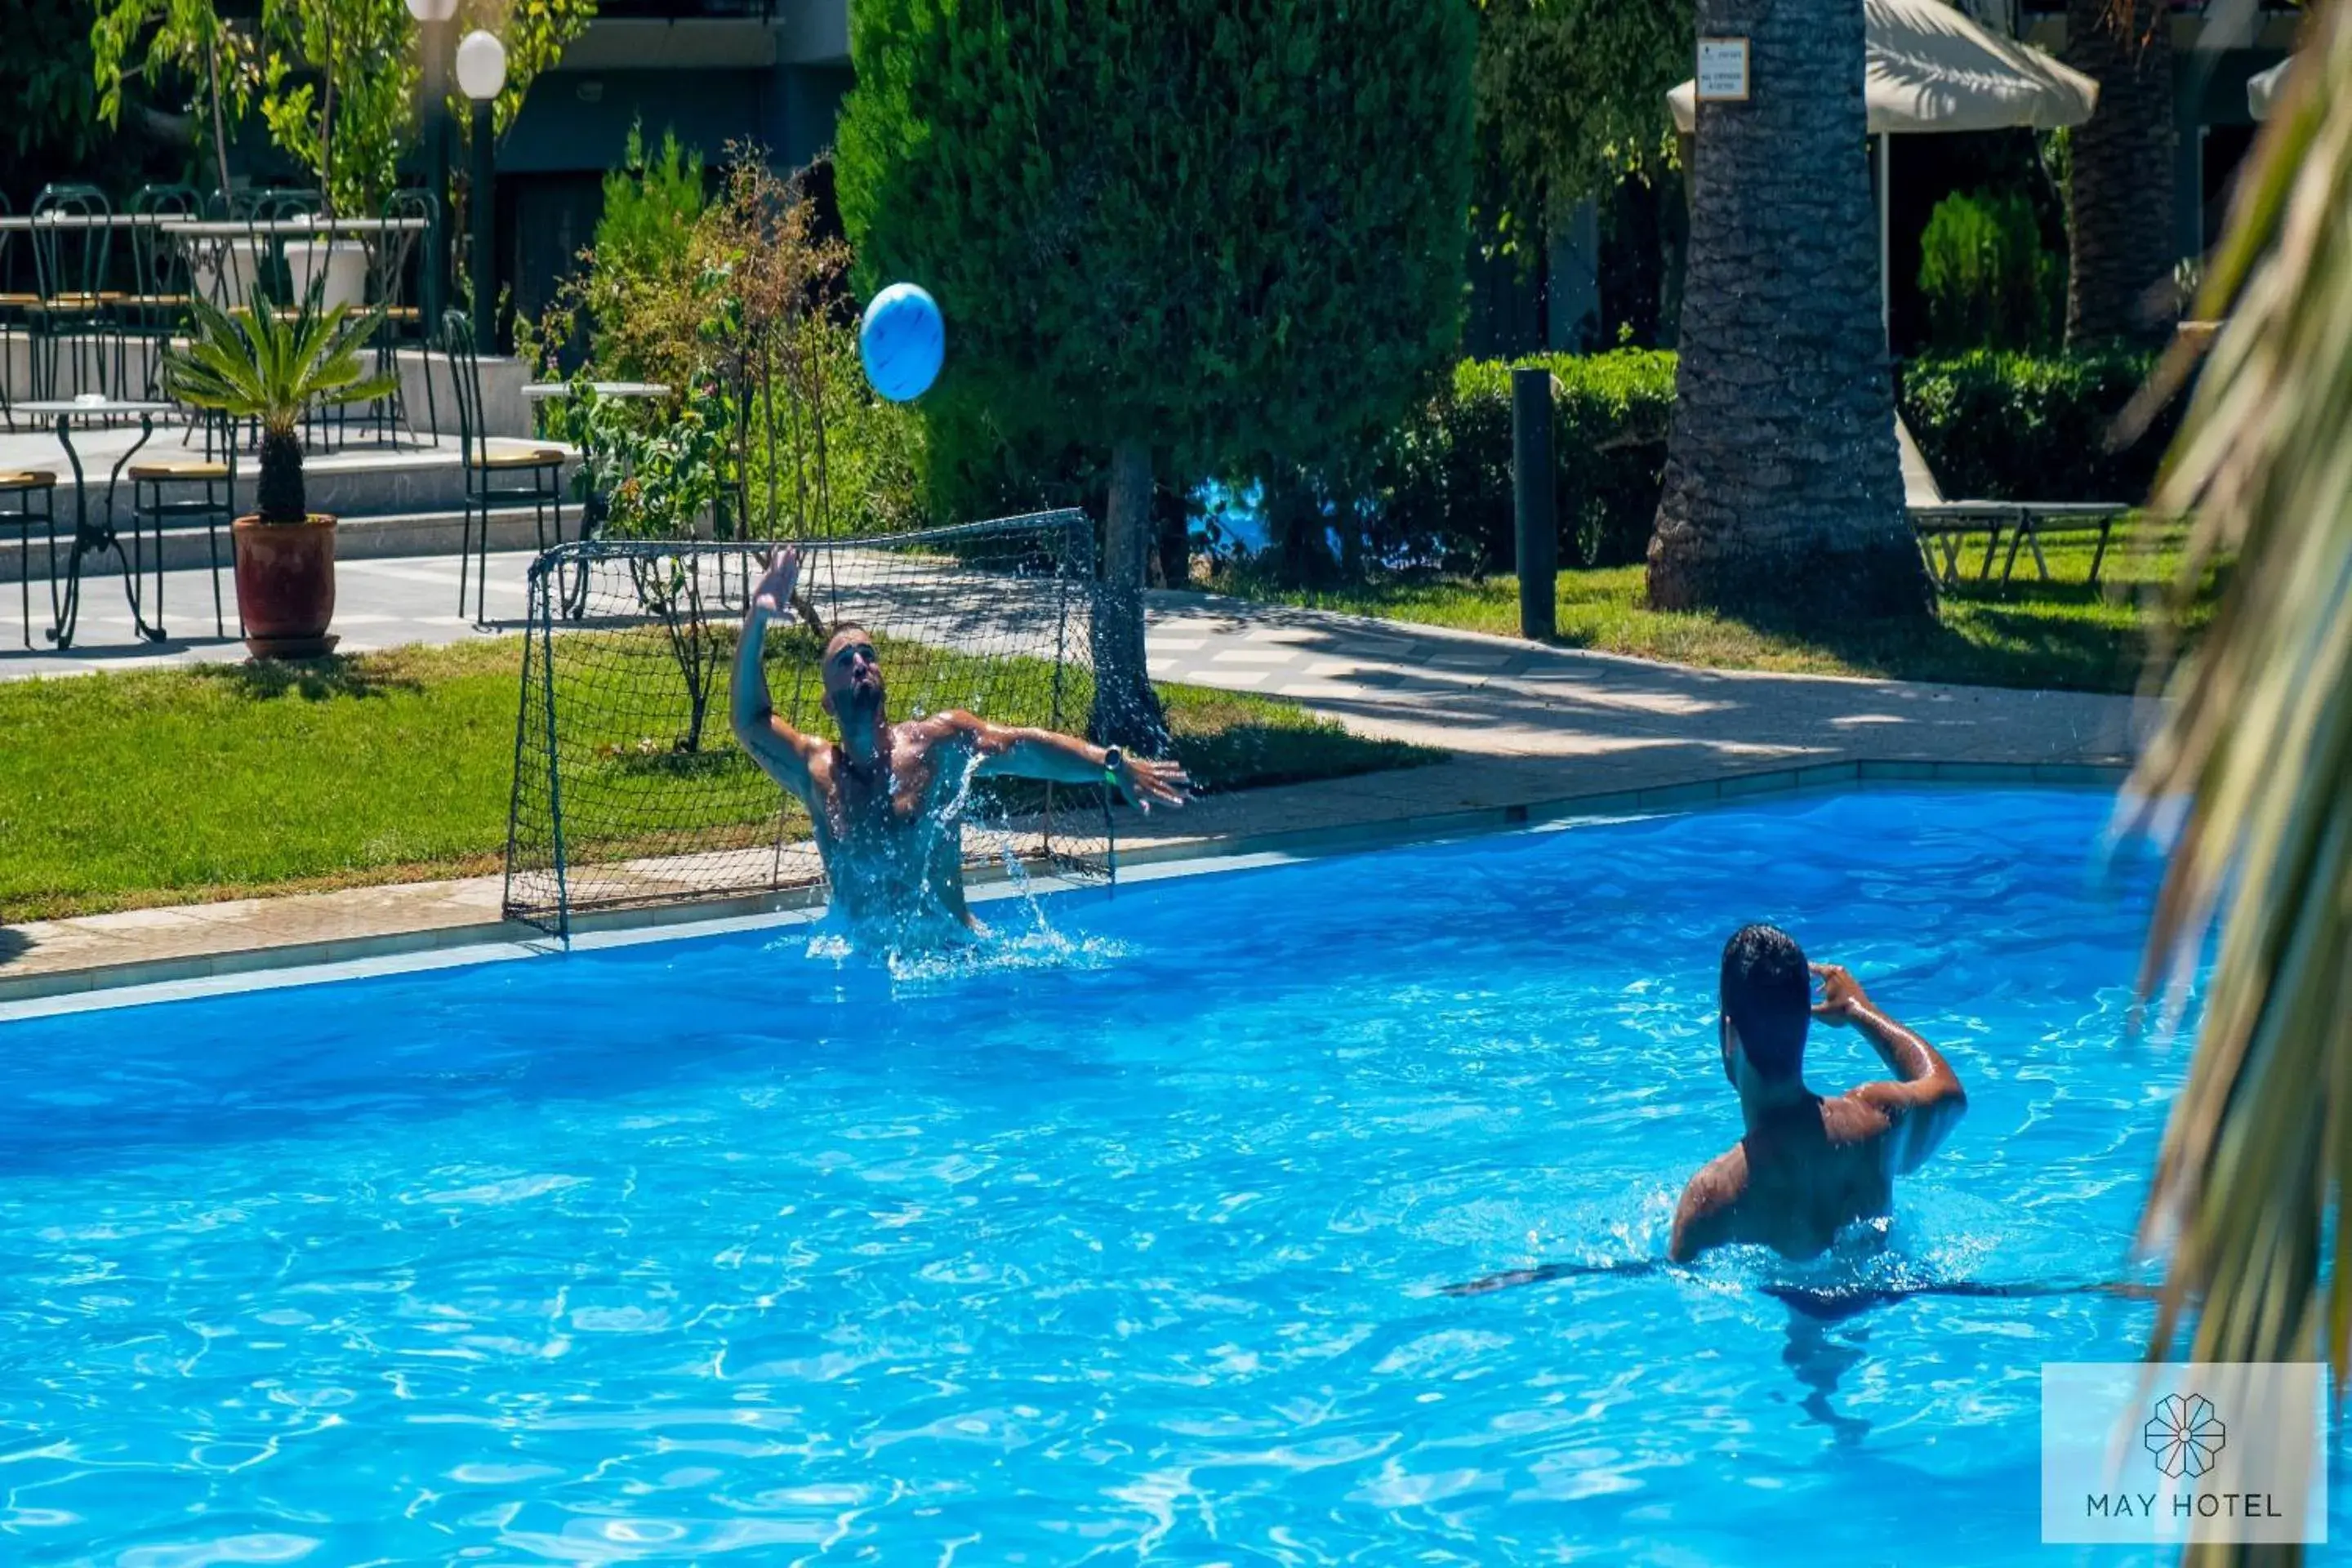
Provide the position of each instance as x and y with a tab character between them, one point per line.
433	17
481	73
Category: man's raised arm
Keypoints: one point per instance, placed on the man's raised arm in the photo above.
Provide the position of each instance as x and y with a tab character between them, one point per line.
1010	750
1923	1106
781	750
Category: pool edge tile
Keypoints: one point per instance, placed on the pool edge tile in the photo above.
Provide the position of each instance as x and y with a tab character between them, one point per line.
132	982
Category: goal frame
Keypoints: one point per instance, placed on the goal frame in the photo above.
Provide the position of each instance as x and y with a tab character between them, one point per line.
556	587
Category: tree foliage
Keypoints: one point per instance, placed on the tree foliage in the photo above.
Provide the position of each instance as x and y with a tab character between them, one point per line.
339	92
1219	231
183	48
1571	96
652	201
340	82
1985	277
46	78
733	302
2257	1160
335	80
1222	228
535	32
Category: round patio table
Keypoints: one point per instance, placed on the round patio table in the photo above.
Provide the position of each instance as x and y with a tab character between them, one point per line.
207	242
236	228
26	223
541	390
89	538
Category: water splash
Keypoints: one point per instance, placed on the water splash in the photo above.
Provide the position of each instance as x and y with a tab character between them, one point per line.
928	947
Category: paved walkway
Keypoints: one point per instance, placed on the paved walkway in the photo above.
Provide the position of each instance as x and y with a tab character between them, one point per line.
1530	728
379	604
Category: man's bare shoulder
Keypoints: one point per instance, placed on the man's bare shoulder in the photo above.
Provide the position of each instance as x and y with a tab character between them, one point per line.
1707	1214
1863	1114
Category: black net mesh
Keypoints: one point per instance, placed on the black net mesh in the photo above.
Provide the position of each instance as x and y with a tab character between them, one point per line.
629	788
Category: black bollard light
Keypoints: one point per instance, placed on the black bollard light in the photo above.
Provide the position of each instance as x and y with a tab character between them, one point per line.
1536	513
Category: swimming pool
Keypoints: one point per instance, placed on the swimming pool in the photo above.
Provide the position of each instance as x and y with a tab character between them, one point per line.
1125	1243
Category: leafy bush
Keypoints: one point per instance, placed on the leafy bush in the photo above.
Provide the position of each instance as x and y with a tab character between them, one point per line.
1443	491
1987	280
1436	492
651	474
2015	427
733	300
835	455
639	306
651	205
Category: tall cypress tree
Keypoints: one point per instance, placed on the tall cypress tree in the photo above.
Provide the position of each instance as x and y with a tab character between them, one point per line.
1226	230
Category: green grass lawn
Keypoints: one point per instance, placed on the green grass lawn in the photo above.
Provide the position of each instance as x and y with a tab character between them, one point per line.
174	786
2062	634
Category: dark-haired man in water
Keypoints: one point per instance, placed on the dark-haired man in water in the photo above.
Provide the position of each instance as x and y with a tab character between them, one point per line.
882	797
1809	1165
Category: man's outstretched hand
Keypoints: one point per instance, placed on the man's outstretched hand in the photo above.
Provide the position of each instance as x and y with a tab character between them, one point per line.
1841	994
774	591
1145	783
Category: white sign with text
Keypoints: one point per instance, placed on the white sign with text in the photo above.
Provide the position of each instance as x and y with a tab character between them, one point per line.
1722	71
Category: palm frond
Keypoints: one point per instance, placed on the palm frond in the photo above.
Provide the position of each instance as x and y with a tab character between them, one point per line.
271	365
2257	1159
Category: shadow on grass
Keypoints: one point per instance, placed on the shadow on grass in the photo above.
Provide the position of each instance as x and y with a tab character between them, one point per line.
2060	634
660	759
1252	756
1976	643
312	679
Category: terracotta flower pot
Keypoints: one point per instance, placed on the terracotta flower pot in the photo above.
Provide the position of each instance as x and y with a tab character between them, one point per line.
285	586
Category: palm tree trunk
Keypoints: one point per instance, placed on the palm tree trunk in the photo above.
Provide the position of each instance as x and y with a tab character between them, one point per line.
279	495
1127	711
1783	491
2119	207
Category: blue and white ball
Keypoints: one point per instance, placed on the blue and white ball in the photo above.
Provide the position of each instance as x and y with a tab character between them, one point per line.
902	342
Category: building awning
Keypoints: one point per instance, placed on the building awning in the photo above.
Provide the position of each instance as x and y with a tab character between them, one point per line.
2262	89
1930	68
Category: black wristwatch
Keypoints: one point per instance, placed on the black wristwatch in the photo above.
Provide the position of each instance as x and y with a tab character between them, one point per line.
1111	759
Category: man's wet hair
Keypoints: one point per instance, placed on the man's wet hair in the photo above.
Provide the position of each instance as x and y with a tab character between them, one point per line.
833	636
1767	994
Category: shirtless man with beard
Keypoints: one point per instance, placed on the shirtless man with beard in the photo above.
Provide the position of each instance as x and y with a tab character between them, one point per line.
883	796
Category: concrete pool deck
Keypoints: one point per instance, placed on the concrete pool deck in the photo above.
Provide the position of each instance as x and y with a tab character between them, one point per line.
1536	733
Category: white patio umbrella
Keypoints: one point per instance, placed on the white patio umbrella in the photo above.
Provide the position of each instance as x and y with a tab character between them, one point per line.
2262	89
1929	67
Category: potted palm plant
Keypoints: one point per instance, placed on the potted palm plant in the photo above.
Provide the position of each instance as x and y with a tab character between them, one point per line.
272	366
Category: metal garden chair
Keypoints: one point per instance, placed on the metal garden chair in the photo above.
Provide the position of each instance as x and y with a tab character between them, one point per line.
159	297
20	489
70	256
533	474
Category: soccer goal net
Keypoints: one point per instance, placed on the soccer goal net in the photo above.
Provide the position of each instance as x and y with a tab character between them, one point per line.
629	787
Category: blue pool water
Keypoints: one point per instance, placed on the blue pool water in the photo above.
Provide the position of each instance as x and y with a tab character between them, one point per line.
1121	1245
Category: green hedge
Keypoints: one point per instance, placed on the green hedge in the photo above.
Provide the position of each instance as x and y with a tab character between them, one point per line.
1994	425
1446	489
2017	426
